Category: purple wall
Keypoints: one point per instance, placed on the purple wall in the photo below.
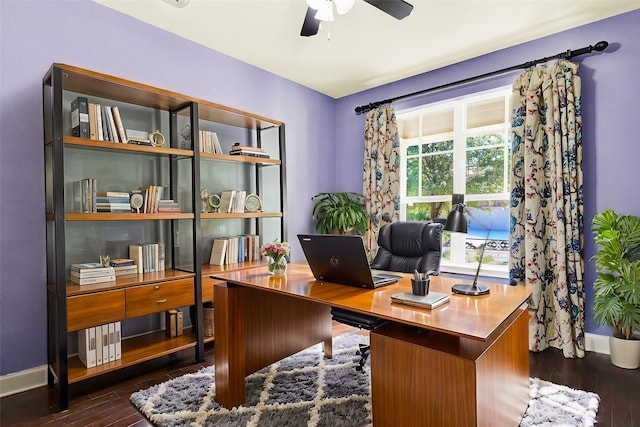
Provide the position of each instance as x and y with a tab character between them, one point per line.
35	34
610	88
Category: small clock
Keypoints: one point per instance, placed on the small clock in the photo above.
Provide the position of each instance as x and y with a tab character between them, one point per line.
136	200
214	202
252	203
156	138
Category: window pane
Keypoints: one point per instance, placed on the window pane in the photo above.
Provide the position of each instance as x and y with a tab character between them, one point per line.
435	147
408	128
412	177
435	122
437	174
485	140
485	171
486	112
488	215
412	150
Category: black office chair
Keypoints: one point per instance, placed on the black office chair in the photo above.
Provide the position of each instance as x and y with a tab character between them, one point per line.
403	247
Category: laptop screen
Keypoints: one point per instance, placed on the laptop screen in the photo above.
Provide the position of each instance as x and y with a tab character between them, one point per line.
339	259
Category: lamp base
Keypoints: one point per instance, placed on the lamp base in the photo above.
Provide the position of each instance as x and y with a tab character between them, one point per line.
474	290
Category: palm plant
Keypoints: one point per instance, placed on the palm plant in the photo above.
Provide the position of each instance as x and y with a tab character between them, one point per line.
617	287
339	213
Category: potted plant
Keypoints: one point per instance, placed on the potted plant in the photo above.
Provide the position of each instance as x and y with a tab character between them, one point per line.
617	287
339	213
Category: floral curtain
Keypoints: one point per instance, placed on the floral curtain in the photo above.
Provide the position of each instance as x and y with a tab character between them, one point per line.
546	205
381	182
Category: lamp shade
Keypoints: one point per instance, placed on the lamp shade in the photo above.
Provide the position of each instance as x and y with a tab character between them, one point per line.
457	221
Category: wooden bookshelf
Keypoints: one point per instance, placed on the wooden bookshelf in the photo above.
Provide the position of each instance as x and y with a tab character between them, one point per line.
77	237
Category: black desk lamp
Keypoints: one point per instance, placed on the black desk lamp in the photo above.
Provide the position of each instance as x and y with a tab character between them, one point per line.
457	222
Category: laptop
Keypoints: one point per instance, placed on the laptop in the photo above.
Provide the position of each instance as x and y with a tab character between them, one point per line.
342	259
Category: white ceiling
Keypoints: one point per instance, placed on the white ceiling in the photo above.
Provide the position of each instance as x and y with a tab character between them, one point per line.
367	48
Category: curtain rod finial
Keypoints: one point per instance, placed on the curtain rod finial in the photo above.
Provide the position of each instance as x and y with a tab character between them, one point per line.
601	45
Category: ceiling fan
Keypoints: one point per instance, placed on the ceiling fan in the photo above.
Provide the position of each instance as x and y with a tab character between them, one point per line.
322	10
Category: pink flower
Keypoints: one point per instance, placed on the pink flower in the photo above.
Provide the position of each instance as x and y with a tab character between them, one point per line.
276	250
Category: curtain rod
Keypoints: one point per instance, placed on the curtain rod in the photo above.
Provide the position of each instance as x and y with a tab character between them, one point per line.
600	46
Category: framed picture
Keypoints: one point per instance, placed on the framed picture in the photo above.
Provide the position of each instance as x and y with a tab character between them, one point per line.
253	203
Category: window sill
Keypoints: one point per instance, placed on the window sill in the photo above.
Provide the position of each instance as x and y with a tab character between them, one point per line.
500	272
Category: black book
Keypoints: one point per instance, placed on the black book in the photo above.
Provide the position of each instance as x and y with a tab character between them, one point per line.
80	117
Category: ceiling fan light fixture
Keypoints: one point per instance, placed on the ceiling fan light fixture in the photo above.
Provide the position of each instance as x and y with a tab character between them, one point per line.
343	6
325	11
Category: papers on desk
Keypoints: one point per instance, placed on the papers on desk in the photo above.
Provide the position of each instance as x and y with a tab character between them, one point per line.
431	300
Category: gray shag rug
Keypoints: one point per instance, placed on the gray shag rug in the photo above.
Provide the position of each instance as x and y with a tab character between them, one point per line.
308	390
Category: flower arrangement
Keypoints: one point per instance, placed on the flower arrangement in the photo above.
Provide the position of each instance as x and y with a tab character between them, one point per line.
279	254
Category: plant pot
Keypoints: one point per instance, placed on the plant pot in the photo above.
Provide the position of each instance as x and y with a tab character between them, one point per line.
625	353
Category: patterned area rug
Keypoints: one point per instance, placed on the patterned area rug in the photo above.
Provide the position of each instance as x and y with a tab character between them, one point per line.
307	389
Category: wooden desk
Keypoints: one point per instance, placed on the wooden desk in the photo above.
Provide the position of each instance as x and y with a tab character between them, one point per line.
465	363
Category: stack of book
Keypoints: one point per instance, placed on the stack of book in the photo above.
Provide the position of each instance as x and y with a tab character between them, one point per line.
93	121
92	273
100	344
149	257
232	250
84	195
112	201
232	201
173	323
245	150
124	266
209	142
168	205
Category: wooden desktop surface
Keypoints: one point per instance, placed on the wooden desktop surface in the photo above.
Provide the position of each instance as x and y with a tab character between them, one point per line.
476	318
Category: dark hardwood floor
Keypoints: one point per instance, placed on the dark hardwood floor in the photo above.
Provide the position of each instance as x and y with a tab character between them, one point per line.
105	401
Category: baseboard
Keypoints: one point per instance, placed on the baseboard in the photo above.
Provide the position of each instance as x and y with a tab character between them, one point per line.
37	377
596	343
28	379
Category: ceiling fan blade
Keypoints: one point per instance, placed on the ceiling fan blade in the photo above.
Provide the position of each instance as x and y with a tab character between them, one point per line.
399	9
311	25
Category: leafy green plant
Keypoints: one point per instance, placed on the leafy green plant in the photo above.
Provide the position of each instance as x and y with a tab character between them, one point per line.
617	287
339	213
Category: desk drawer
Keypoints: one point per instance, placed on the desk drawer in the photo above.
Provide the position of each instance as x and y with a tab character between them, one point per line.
88	310
147	299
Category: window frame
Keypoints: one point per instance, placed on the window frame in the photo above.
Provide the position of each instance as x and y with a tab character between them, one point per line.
459	135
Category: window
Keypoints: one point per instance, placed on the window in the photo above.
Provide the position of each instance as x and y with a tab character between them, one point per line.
460	146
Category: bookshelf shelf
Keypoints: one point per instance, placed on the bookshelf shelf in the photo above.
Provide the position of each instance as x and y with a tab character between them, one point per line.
109	145
135	350
77	216
82	159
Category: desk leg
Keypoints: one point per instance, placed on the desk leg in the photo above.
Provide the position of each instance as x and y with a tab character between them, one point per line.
229	346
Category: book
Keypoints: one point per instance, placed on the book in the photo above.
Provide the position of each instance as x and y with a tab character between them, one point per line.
119	262
98	332
431	300
80	117
93	280
179	327
87	347
135	253
90	269
84	274
249	153
125	270
116	194
105	123
122	134
100	128
170	323
218	251
93	122
226	198
118	339
104	329
112	342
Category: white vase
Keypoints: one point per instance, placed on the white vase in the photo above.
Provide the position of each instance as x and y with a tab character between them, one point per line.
625	353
